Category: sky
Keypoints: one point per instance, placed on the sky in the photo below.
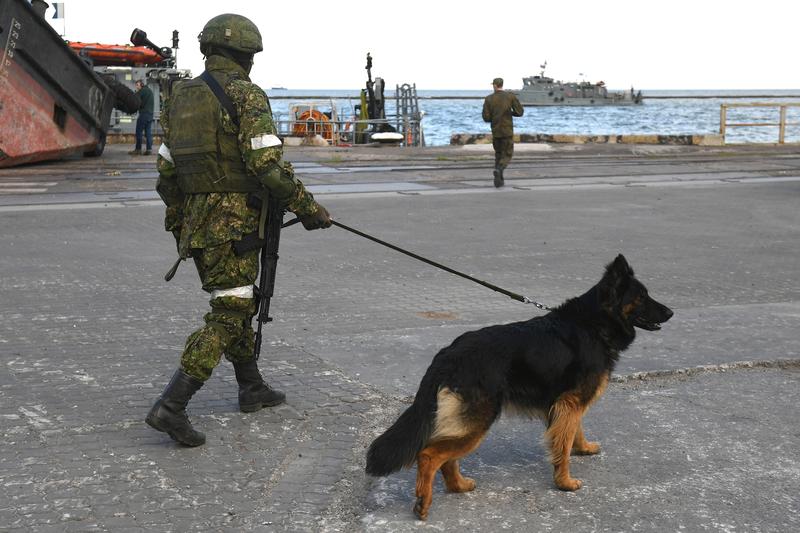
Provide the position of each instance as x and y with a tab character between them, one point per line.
313	44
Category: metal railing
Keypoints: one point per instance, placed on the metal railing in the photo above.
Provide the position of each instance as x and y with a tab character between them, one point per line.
350	132
781	124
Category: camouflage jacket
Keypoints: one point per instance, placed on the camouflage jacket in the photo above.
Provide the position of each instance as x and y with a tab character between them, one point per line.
210	219
498	108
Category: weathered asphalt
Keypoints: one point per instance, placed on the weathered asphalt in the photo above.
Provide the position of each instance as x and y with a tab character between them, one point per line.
699	428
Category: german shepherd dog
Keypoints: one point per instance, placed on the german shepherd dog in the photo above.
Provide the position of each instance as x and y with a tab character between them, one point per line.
552	367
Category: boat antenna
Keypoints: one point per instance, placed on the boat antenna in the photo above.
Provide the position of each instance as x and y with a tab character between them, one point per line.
543	66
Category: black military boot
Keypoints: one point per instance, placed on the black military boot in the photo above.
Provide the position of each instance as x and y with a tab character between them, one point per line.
498	176
254	394
169	412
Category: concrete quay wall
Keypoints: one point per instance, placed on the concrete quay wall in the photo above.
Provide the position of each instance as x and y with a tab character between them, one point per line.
684	140
460	139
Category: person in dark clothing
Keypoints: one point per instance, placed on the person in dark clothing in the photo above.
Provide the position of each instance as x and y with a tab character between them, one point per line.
144	121
499	108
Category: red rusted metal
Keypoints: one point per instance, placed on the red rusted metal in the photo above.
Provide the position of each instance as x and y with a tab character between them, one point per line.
29	130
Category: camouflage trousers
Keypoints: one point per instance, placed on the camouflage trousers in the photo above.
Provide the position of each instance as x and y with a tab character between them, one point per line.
503	150
228	329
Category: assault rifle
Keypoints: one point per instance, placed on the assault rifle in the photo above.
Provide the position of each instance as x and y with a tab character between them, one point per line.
269	263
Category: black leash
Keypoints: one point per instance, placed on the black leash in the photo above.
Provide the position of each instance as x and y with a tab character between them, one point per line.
512	295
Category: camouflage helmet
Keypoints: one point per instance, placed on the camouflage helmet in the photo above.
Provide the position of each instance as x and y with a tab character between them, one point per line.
234	32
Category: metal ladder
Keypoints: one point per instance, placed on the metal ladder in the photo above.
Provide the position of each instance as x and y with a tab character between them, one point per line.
409	117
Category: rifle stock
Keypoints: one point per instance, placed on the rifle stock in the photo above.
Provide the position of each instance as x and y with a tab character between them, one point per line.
269	263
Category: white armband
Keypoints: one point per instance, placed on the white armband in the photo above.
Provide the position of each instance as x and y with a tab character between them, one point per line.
163	151
238	292
264	141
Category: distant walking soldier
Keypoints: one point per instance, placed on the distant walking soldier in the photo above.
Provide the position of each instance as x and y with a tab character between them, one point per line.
220	155
499	108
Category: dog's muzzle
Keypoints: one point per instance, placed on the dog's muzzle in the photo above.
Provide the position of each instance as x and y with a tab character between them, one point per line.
653	319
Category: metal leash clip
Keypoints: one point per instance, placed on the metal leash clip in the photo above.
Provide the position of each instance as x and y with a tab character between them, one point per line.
543	307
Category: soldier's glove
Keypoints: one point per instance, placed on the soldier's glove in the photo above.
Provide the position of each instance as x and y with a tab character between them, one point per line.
320	219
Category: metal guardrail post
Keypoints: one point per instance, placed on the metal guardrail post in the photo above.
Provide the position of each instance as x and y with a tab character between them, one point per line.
723	117
782	127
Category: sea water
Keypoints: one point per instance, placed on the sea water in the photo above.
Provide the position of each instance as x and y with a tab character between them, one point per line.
661	113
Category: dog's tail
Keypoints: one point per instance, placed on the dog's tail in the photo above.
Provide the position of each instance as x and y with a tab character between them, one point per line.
399	445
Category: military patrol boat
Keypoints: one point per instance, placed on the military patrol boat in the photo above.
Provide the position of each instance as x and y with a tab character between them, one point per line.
542	90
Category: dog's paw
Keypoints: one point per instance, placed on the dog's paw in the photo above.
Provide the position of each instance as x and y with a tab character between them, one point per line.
420	509
569	484
465	484
590	448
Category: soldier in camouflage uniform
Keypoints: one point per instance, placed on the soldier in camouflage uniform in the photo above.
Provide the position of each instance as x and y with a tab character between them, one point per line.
210	165
498	108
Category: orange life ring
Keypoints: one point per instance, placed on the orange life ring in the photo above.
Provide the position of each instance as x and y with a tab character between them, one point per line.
313	122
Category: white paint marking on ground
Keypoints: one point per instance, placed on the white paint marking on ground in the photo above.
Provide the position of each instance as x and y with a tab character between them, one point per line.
81	206
21	191
512	185
518	147
775	179
28	183
396	186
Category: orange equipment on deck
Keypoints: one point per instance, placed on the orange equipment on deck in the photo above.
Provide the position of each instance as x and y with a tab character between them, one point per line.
116	54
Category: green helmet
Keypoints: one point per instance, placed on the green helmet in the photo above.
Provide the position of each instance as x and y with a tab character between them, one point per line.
234	32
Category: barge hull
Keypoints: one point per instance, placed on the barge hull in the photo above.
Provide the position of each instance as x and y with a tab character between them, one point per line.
52	104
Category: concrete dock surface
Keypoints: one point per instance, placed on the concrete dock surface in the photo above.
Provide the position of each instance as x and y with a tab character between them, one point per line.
699	428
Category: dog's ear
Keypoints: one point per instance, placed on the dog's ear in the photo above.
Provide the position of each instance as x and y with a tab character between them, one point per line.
618	270
614	281
621	265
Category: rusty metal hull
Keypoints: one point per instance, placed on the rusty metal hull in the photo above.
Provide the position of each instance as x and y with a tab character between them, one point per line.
51	103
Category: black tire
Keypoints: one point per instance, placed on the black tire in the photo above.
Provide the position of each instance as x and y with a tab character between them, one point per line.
98	148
